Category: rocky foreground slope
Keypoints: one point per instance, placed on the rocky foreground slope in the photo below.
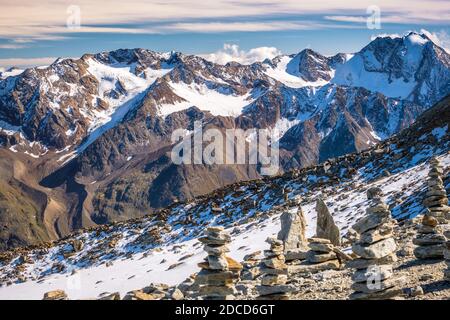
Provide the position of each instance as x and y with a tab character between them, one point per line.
163	247
86	141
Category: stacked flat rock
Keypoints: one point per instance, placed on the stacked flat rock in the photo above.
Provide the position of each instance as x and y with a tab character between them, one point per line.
274	273
219	273
322	251
436	197
374	277
430	240
447	256
250	266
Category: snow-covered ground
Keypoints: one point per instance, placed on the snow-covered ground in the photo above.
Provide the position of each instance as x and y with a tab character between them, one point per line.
127	274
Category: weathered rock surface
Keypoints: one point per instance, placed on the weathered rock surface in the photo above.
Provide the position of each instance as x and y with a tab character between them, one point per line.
326	227
55	295
293	228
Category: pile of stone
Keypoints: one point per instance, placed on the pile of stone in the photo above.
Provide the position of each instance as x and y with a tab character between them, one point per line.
219	273
376	248
322	251
250	264
154	291
436	197
274	273
447	256
430	240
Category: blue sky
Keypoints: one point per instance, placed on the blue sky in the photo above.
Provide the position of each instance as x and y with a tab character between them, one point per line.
34	33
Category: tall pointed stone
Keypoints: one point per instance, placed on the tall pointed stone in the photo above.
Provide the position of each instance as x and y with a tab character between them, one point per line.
326	227
293	228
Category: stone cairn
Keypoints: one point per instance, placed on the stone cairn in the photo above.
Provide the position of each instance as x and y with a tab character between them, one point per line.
274	273
374	277
430	240
436	197
447	256
219	273
250	266
322	251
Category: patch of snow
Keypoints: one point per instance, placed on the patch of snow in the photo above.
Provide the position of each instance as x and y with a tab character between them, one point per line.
439	133
353	73
109	77
204	98
13	149
286	74
70	132
12	72
8	128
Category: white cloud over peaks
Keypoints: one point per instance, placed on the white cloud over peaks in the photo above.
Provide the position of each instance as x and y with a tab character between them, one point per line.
385	35
441	38
231	52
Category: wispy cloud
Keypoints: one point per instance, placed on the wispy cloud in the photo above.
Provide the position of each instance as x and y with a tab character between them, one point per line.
206	27
358	19
404	18
26	62
39	20
231	52
12	46
441	38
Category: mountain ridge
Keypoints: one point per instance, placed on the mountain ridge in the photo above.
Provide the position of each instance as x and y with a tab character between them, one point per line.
95	129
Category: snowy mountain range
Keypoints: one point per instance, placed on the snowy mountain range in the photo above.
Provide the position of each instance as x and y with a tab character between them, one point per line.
86	141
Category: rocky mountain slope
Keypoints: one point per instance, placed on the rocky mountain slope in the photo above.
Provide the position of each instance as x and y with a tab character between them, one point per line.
163	247
93	134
